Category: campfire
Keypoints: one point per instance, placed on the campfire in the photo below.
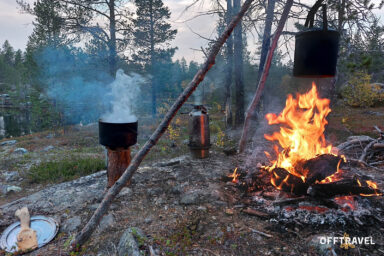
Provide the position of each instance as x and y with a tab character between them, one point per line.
305	162
305	172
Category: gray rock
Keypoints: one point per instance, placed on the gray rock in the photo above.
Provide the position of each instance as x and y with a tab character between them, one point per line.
8	142
154	191
106	222
6	189
21	151
48	148
11	176
191	197
125	192
319	248
72	224
177	190
130	241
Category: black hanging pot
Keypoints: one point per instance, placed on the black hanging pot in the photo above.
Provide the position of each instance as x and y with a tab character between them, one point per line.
316	50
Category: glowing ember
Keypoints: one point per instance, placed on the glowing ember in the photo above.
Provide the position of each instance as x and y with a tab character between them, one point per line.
347	203
234	175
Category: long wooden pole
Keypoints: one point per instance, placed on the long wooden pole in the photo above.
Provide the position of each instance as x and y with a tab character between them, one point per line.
87	231
264	76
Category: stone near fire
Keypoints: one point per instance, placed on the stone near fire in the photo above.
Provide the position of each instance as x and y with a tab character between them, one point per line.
130	241
191	197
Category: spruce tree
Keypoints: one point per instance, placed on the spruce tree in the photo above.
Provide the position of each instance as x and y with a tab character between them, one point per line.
152	34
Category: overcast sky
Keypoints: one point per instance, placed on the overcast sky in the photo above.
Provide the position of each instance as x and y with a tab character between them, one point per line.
16	27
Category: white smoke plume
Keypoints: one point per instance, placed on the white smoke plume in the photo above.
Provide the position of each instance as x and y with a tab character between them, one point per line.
125	92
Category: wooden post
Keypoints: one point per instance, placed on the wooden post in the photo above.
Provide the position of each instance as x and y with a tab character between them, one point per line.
118	161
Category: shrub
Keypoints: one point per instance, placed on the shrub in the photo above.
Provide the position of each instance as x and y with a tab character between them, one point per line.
359	92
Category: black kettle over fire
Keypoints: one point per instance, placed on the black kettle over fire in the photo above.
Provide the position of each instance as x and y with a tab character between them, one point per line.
316	50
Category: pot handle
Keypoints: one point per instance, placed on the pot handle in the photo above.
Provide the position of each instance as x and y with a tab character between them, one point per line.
311	15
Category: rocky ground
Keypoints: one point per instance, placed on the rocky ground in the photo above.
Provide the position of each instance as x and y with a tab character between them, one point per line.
176	205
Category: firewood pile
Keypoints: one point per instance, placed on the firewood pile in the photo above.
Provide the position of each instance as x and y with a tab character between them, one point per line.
364	150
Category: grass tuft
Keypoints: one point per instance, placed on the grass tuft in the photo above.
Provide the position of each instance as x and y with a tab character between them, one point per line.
64	170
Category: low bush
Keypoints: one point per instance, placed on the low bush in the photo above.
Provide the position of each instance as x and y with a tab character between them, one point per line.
360	92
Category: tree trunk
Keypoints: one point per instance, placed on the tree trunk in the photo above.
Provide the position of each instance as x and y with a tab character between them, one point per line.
112	40
153	79
87	231
263	79
239	73
266	37
118	161
265	46
229	68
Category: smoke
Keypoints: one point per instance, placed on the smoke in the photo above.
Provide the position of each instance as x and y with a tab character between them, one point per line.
125	91
82	88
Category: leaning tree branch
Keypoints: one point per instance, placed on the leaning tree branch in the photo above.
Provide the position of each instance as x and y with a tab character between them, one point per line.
86	232
264	76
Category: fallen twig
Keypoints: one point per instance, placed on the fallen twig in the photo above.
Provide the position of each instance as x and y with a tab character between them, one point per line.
260	233
365	151
86	232
352	143
255	212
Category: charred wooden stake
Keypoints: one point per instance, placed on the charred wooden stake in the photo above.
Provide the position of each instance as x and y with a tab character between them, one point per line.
118	160
117	138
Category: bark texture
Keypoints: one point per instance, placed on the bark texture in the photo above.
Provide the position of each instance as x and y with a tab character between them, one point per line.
118	161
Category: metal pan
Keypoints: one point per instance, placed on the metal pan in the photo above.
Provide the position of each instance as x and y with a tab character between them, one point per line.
45	227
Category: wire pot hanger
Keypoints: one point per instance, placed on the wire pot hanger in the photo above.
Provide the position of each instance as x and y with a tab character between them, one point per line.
312	12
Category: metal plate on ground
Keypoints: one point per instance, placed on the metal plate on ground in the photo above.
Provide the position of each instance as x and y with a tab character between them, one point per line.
46	229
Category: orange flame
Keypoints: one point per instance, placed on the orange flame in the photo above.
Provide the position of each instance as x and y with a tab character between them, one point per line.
301	134
234	175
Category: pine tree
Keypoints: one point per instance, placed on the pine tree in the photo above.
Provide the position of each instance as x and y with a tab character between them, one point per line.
48	25
152	34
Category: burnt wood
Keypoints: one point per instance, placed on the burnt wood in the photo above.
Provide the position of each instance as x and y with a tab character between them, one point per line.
343	187
287	182
321	167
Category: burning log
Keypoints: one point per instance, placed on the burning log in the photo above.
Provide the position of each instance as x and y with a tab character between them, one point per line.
287	182
342	188
321	167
